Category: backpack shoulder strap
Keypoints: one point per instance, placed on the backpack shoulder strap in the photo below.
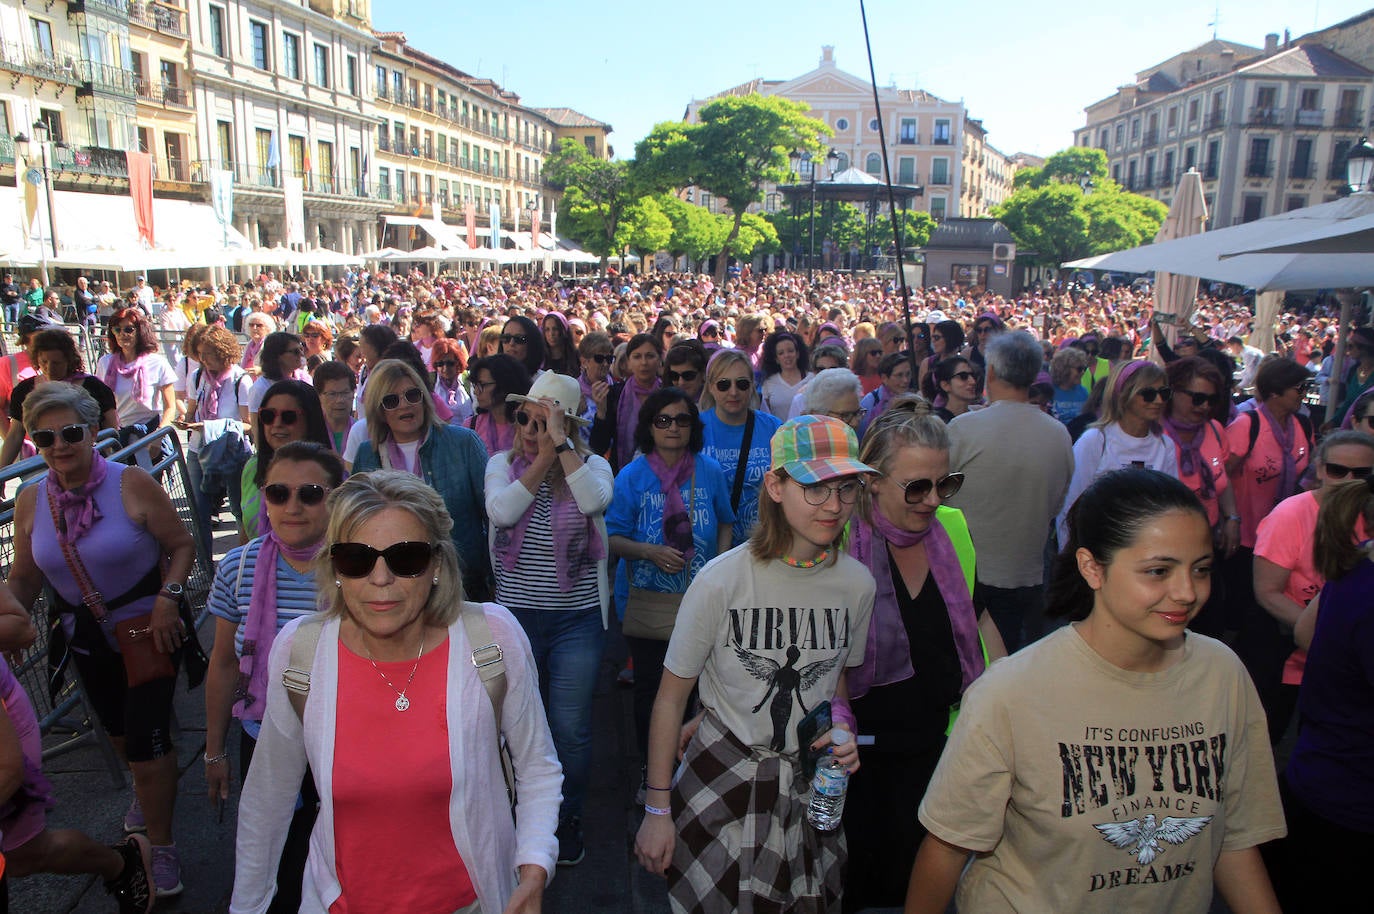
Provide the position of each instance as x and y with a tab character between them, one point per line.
296	676
1254	430
487	655
1306	423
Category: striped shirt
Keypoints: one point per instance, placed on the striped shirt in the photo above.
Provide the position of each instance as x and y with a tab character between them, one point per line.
533	583
295	591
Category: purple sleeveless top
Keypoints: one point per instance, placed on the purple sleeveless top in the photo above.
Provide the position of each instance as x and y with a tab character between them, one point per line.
117	552
23	817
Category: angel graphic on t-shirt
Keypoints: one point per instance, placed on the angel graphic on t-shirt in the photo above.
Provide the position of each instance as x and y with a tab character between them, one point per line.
782	682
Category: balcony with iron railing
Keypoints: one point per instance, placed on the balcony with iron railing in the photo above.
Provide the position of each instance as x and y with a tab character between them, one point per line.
1152	137
939	179
1302	169
1348	117
383	93
271	178
383	143
1310	117
1259	168
59	66
166	18
118	9
103	78
909	139
941	139
1264	117
161	93
1215	120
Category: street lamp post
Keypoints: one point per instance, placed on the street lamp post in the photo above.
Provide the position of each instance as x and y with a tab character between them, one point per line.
1359	167
41	175
1359	173
797	158
531	206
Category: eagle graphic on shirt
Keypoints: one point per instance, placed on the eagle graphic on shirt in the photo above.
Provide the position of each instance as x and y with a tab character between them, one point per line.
1142	836
782	681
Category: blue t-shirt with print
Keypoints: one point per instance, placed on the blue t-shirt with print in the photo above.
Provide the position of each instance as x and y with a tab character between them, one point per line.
723	443
1067	404
636	513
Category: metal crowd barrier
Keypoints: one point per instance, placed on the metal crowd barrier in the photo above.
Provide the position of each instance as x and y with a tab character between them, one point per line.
70	715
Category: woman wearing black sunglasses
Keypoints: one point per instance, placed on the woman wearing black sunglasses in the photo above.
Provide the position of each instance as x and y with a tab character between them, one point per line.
728	416
928	639
1127	433
404	433
522	341
404	740
258	588
957	380
291	411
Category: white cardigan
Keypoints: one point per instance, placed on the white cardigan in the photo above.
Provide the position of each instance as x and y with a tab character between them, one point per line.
492	846
592	486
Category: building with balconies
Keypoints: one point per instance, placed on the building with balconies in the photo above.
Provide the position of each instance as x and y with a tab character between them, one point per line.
160	45
573	125
281	96
1268	128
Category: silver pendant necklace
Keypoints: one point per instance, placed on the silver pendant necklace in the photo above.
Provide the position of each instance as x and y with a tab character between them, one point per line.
402	702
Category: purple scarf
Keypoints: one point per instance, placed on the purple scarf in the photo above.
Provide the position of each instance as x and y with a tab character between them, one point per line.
677	525
887	656
210	408
1190	437
136	371
1288	476
77	506
396	458
577	546
250	354
632	397
260	625
587	396
449	395
497	438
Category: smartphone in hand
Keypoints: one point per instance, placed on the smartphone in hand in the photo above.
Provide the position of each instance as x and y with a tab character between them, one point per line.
811	726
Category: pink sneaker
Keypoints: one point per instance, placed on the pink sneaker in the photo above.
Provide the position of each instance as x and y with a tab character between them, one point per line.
133	819
167	871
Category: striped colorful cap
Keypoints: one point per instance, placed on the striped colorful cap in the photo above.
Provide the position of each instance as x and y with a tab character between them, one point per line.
816	448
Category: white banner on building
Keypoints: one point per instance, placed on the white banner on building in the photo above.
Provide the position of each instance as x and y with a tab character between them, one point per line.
293	193
222	194
553	225
494	211
435	212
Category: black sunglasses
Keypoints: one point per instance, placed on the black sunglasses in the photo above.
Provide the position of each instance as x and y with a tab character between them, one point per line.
723	385
1202	399
406	560
603	359
945	487
682	420
519	339
446	363
393	401
44	438
674	376
1334	470
1148	394
525	418
963	376
279	494
287	416
124	329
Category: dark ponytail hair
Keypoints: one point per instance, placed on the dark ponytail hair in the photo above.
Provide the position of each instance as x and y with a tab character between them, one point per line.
1334	551
1107	518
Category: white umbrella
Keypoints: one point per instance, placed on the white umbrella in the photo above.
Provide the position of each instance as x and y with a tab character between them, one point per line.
1223	254
1353	236
1176	294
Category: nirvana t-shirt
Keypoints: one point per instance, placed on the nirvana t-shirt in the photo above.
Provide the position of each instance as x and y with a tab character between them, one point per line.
1125	786
769	641
723	442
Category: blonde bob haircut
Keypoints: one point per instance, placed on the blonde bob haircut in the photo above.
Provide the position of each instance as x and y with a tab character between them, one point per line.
908	422
363	497
721	362
379	383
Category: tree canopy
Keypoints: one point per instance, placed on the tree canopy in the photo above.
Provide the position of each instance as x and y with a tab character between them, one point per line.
596	195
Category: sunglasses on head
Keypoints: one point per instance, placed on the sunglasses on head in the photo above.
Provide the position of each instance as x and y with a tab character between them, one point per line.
682	420
1341	471
393	401
406	560
1148	394
723	385
945	487
46	437
1202	399
287	416
519	339
674	376
279	494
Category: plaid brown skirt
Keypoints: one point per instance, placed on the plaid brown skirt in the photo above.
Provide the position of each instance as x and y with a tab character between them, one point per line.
743	842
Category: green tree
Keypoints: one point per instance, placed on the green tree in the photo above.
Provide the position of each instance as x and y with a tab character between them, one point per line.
645	229
755	235
917	224
696	233
739	145
596	194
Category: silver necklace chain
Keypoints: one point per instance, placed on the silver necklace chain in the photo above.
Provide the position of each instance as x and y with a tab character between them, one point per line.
402	702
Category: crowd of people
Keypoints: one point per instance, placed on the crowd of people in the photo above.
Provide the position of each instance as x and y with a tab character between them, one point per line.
1066	584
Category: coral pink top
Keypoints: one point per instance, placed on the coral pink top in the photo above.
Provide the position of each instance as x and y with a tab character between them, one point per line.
392	786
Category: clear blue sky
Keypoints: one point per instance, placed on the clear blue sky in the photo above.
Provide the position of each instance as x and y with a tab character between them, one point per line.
1027	70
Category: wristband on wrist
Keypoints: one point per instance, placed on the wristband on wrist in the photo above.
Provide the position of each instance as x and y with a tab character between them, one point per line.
215	759
664	789
1234	517
657	811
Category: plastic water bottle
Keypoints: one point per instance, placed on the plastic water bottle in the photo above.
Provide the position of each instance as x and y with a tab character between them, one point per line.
828	788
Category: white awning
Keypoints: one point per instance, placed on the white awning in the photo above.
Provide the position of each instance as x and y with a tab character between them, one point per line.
444	235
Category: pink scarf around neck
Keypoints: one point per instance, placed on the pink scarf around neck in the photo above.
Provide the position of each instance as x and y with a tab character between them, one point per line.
136	371
260	625
77	506
577	544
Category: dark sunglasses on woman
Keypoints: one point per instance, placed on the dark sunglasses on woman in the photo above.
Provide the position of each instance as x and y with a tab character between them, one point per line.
723	385
945	487
44	438
1148	394
1333	470
1202	399
309	494
270	416
406	560
682	420
672	377
603	359
393	401
519	339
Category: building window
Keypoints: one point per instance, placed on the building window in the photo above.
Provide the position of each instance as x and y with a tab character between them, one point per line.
937	207
873	124
1193	109
398	87
942	135
324	167
217	31
261	59
291	55
224	134
873	164
384	182
42	37
1257	164
906	170
939	171
1252	208
843	163
1339	151
1189	157
322	66
908	131
267	174
352	71
381	82
1120	135
1171	119
1294	202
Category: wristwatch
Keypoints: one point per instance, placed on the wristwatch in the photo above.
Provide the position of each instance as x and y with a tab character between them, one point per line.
175	591
565	446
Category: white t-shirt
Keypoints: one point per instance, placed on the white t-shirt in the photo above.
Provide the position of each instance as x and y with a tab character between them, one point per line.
159	374
356	436
1101	450
777	394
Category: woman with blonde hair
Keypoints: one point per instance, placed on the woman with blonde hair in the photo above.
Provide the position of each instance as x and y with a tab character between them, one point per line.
547	497
489	341
404	433
729	416
868	352
414	811
1127	433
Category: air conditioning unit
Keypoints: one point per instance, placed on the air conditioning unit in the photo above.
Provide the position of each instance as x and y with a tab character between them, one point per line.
1004	252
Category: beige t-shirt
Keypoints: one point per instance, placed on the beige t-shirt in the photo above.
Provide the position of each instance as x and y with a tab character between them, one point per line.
1085	787
768	641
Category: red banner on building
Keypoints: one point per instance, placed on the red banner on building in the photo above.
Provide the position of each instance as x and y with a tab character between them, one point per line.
141	190
470	217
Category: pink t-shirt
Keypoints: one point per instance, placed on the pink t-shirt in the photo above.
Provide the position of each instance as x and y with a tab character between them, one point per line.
1216	450
1257	479
393	780
1285	538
